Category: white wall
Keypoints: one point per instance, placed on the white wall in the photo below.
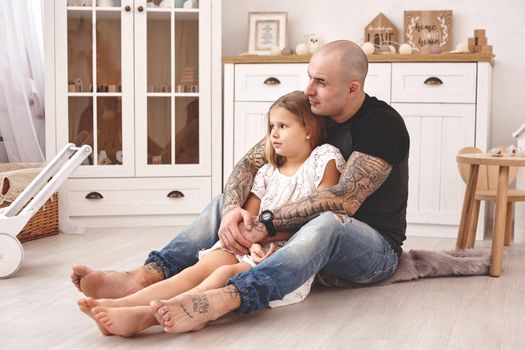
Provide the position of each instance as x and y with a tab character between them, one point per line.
346	19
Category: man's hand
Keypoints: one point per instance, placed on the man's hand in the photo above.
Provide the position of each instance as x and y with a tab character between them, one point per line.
258	254
232	237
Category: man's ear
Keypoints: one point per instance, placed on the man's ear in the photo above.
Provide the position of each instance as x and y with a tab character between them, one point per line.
353	88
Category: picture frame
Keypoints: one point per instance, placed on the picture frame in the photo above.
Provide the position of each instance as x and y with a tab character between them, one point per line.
428	32
266	30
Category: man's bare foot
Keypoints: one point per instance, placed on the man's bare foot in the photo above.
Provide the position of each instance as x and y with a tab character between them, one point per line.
124	321
191	312
113	284
86	304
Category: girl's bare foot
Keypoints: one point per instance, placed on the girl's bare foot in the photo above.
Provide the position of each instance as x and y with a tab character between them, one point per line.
86	304
113	284
124	321
186	313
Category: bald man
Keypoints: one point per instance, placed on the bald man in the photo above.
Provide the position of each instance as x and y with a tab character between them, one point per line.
352	231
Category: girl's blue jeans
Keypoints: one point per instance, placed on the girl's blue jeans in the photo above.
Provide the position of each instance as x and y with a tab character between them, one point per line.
337	245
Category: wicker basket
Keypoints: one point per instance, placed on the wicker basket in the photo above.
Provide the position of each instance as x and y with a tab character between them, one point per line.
43	223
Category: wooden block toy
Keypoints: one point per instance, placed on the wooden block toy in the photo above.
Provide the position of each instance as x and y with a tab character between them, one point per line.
479	43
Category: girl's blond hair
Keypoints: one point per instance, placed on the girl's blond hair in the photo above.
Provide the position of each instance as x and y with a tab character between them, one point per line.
296	103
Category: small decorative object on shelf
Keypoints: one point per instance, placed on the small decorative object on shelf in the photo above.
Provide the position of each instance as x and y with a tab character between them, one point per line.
105	3
287	51
156	160
381	33
276	50
461	48
118	156
368	48
79	85
479	42
188	81
405	49
301	49
191	4
166	3
103	158
428	31
495	152
312	42
151	4
520	135
512	150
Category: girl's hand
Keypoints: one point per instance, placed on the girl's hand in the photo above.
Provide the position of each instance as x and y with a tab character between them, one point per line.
258	254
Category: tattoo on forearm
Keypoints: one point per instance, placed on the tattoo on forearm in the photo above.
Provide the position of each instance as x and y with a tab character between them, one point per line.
257	225
200	303
362	175
240	182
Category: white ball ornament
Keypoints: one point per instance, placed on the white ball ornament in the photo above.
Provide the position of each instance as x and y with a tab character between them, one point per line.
392	48
405	49
276	50
461	47
301	49
368	48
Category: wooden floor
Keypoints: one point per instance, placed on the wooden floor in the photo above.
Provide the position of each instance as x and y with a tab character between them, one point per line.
38	310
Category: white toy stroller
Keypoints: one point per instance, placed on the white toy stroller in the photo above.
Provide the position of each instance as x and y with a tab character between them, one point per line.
14	217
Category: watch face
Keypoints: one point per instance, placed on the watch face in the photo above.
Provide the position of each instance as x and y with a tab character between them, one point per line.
266	215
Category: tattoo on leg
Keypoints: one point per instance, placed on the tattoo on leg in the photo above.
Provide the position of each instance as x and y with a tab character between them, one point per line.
200	303
156	269
232	291
186	311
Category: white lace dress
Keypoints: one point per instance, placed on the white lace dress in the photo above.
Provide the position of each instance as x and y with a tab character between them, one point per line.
275	189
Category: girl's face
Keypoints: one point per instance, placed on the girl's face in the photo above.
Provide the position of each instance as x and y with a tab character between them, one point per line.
288	136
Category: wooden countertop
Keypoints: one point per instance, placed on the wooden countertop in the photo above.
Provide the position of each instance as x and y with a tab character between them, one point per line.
450	57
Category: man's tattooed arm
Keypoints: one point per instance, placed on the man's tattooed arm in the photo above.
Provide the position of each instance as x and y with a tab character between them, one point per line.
362	175
240	181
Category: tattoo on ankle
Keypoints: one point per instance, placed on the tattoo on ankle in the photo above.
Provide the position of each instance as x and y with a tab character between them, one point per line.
232	291
156	269
200	303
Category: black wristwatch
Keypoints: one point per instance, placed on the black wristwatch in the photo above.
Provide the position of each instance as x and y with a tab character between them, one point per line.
266	217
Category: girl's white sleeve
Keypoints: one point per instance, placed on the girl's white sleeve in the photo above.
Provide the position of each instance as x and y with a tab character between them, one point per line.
259	182
321	156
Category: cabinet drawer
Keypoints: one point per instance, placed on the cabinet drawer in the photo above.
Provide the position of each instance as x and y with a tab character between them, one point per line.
434	82
267	82
139	196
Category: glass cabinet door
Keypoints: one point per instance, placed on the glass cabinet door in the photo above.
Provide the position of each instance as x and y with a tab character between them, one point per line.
95	69
172	82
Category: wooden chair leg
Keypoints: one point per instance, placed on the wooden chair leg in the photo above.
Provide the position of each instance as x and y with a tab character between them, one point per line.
473	225
508	225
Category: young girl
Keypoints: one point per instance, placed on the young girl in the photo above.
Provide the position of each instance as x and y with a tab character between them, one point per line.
296	168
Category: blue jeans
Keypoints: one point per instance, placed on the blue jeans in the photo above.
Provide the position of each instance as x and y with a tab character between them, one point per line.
350	250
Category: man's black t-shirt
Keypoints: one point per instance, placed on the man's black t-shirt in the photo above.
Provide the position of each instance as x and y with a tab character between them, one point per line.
379	131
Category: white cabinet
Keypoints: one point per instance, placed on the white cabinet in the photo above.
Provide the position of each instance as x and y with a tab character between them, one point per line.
445	107
136	82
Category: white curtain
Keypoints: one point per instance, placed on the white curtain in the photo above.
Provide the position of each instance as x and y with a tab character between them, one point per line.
22	80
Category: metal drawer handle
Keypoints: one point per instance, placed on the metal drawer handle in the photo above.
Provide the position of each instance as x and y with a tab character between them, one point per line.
94	195
433	81
140	8
272	81
127	8
175	194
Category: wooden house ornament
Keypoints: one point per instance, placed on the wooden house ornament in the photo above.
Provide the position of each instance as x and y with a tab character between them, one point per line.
381	32
479	42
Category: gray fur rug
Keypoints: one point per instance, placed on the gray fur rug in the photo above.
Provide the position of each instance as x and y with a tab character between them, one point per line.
416	264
